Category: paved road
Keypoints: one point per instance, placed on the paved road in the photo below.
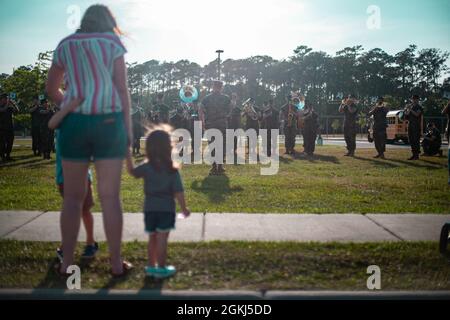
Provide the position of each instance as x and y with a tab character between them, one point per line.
338	141
44	226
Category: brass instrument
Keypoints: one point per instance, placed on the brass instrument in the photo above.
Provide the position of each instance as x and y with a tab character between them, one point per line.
345	101
249	110
187	111
408	108
292	117
404	115
188	94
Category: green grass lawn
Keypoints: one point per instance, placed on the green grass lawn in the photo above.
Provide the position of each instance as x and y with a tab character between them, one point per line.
328	183
242	265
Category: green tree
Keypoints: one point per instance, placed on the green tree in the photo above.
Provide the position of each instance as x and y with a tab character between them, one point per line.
336	125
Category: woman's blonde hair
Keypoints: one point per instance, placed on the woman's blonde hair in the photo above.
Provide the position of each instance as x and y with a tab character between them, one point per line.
98	18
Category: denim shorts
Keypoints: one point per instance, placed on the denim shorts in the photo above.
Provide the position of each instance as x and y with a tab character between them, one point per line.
93	137
159	221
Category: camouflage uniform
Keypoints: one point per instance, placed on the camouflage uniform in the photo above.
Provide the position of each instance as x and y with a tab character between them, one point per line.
216	108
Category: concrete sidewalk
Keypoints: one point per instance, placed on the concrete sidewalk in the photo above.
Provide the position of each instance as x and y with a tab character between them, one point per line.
44	226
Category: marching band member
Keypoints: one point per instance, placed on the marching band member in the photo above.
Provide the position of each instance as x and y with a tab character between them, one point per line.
348	108
289	114
35	127
379	112
413	113
432	141
214	110
46	134
7	109
269	121
446	112
136	118
251	115
234	118
310	128
160	112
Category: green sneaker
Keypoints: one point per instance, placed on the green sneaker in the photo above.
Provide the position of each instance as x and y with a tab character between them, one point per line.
160	273
149	271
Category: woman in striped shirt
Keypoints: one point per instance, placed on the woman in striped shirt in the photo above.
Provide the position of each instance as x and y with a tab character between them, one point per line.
91	63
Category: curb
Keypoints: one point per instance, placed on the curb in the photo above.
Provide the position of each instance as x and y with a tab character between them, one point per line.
104	294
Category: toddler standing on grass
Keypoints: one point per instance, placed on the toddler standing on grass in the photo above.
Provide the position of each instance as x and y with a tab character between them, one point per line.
162	184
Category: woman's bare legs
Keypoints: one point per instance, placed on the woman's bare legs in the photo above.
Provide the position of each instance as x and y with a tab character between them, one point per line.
108	187
152	250
75	188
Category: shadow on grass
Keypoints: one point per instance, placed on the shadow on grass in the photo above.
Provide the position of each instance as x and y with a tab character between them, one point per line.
27	162
319	157
313	159
153	284
379	163
418	164
52	279
286	159
435	163
51	162
113	282
24	157
216	188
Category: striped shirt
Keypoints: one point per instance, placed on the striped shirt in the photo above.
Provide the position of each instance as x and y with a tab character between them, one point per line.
88	62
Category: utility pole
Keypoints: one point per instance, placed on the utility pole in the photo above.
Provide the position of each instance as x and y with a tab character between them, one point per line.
218	63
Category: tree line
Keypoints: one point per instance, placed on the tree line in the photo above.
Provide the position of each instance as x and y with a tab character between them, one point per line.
318	75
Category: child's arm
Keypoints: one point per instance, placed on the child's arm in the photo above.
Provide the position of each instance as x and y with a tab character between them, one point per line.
138	171
130	165
56	119
182	202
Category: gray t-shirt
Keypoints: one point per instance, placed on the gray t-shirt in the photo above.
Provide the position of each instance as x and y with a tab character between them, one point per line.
216	107
159	187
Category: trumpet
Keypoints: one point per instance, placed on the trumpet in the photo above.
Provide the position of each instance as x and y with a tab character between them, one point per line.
345	101
407	109
248	108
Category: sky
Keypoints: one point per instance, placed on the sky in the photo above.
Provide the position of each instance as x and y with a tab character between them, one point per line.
171	30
